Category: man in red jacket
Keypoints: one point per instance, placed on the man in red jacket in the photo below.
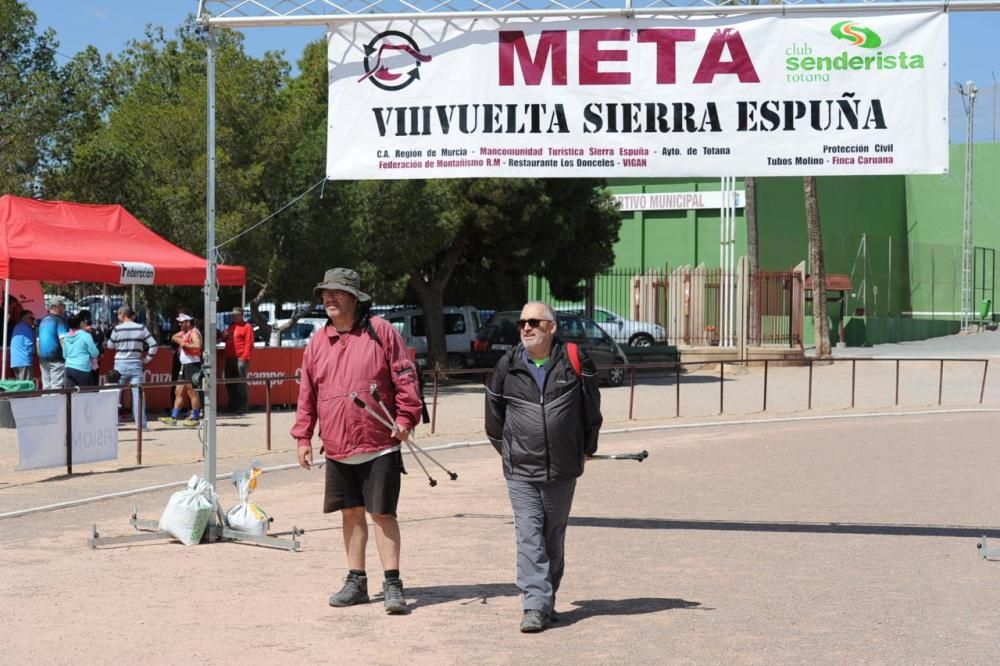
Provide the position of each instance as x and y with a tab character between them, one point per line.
352	353
239	346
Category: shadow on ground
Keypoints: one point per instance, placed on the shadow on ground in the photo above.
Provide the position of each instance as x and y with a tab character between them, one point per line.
467	594
815	528
588	608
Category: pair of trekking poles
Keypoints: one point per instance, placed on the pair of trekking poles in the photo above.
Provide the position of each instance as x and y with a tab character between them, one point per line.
386	419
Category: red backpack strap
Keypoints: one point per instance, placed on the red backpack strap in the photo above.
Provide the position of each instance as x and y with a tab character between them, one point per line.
574	357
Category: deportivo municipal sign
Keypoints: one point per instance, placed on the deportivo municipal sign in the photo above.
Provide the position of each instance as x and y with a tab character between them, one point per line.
637	98
676	200
136	272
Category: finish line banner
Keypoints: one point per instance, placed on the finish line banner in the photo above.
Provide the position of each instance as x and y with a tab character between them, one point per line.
602	97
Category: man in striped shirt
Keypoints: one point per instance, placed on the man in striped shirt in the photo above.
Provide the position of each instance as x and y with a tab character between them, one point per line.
134	347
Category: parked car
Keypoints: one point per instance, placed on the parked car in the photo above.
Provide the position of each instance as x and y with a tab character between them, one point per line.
631	332
500	335
298	334
461	323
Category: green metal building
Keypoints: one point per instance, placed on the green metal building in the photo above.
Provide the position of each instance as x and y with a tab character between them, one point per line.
899	239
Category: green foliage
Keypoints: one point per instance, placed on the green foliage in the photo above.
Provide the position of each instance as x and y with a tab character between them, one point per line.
419	232
133	131
29	98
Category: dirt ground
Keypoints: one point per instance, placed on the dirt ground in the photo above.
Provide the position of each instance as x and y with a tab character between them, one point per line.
844	540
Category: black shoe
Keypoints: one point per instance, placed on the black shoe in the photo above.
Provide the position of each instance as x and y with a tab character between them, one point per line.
553	616
534	621
395	603
355	591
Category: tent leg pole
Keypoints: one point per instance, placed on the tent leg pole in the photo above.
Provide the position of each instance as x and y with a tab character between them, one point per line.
6	313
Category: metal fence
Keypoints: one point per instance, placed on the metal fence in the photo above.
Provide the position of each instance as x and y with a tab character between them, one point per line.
775	315
679	391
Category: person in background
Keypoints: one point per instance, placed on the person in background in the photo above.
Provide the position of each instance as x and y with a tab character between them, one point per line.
51	330
14	312
22	347
239	346
79	352
134	347
87	322
189	348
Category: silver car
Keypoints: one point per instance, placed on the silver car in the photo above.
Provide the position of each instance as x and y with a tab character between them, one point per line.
631	332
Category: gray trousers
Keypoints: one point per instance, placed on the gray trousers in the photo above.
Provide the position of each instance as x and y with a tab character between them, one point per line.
541	511
53	374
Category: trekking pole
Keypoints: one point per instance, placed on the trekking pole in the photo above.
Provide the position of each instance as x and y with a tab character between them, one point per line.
391	426
378	398
638	457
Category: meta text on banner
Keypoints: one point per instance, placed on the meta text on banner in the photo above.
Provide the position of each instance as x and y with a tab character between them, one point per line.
798	95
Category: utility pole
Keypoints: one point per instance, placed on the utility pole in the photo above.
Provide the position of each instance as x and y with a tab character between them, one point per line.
970	93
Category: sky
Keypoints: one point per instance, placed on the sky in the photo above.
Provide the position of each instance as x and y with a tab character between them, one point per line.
108	24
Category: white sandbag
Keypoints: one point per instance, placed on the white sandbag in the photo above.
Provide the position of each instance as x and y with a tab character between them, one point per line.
247	516
188	511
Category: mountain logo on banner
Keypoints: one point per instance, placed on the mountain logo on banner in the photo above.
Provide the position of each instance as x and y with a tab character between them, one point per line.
390	50
136	272
857	34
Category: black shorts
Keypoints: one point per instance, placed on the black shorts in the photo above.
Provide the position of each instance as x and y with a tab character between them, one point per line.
373	485
189	369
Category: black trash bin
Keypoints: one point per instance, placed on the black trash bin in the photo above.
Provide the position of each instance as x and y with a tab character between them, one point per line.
11	386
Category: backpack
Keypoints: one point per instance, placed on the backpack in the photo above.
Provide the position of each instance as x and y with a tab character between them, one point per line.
573	351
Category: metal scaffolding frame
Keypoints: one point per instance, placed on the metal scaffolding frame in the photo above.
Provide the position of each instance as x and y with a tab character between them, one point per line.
215	14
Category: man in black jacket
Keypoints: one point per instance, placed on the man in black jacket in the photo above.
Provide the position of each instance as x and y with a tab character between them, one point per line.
543	415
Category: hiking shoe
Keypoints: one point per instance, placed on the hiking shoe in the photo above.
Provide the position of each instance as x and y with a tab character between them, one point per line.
534	621
190	423
355	591
168	420
395	603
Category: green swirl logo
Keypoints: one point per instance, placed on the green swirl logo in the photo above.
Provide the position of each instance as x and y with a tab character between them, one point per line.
857	34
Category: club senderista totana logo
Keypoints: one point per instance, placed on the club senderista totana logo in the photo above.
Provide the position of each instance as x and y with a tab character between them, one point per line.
865	52
394	46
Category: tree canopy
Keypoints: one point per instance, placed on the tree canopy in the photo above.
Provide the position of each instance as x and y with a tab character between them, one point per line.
130	128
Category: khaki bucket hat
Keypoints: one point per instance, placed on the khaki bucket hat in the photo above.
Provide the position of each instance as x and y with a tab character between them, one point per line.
343	279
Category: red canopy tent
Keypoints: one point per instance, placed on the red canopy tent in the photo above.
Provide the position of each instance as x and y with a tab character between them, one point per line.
58	241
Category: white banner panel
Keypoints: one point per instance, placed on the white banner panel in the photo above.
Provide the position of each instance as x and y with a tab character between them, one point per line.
676	200
41	429
599	97
95	426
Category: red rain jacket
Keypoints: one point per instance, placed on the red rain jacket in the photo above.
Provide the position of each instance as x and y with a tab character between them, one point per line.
333	367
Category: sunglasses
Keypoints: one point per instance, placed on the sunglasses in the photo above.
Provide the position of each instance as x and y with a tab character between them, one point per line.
533	323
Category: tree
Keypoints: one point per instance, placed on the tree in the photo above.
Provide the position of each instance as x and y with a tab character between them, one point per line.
753	254
820	322
421	231
149	152
29	98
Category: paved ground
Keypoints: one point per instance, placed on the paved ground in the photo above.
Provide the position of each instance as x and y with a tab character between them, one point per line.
845	539
978	344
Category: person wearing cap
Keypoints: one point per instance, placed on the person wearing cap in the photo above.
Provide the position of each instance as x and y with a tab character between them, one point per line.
134	348
22	346
239	345
351	354
189	348
51	330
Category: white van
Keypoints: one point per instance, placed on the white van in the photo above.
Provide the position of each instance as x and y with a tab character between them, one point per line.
461	323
